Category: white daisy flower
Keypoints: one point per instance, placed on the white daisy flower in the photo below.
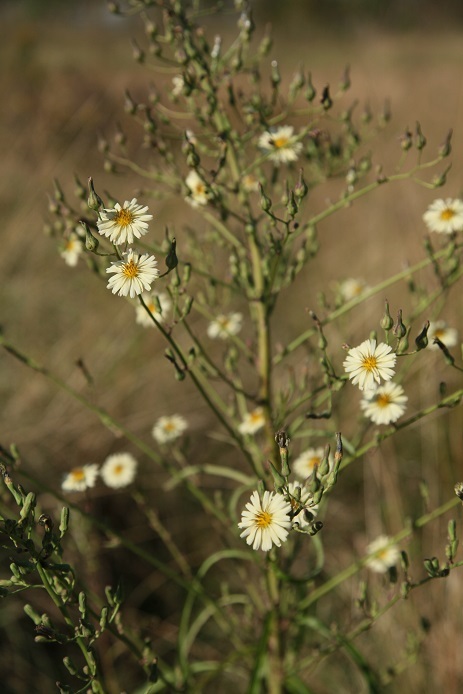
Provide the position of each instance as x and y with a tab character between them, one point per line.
266	521
72	250
169	428
123	224
157	304
384	404
281	144
119	470
301	505
199	191
80	478
351	288
132	275
252	422
250	183
444	216
305	463
383	554
368	363
225	325
440	329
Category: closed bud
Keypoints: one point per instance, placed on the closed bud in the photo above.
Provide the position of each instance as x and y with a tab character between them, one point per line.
403	346
265	202
345	82
422	340
297	83
446	147
64	521
278	479
310	92
406	140
137	53
441	179
69	665
291	207
171	258
385	116
399	328
275	77
301	189
420	140
94	201
91	242
130	106
265	46
326	100
386	321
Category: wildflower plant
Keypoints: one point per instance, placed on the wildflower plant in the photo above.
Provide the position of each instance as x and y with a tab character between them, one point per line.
227	138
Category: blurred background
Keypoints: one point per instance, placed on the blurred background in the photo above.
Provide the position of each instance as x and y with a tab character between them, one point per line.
65	68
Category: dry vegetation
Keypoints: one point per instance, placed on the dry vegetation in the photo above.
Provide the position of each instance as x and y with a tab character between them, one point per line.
63	84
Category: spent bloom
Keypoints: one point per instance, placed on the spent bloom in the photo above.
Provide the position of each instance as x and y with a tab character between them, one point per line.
169	428
306	461
444	216
370	362
384	404
301	505
382	554
119	470
252	422
157	304
133	274
71	250
280	144
266	521
225	325
80	478
351	288
198	189
440	329
123	224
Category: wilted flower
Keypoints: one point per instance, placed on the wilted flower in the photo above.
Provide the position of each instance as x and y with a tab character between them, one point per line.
72	250
80	478
440	329
280	144
444	216
132	275
225	325
306	461
199	192
384	404
157	304
382	553
119	470
266	521
169	428
368	363
301	505
252	422
123	224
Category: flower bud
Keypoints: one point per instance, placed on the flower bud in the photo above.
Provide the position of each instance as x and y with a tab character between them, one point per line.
420	140
265	202
171	258
137	53
446	147
386	321
406	140
94	201
130	106
310	92
275	77
301	189
278	479
291	207
326	100
399	328
345	82
422	340
91	242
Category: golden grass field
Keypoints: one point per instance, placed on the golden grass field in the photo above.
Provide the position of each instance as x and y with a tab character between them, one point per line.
62	82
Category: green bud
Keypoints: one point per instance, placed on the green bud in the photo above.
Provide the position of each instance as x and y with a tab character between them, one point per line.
446	148
310	92
420	140
171	258
69	665
103	618
64	521
278	479
345	83
406	141
326	100
422	340
28	506
130	106
297	83
404	561
32	614
82	604
94	201
275	77
91	242
386	321
137	53
265	46
301	189
292	205
399	328
265	202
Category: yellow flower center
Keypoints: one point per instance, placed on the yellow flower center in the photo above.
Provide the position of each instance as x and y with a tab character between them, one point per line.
279	142
312	462
370	363
169	426
118	469
130	270
123	218
78	475
70	245
447	214
255	417
383	400
439	333
200	189
263	519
